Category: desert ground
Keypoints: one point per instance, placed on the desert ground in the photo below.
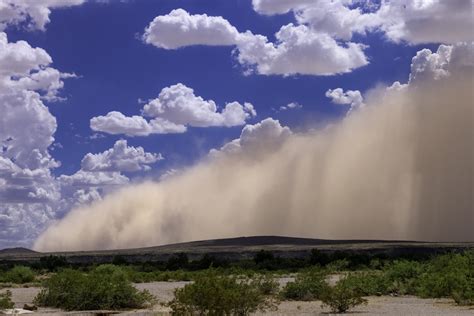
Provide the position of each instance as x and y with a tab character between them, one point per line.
163	291
245	248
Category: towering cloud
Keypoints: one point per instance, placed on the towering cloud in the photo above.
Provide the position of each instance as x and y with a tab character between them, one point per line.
401	167
27	128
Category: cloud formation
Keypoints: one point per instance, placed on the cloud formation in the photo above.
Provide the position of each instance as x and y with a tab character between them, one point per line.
116	123
30	195
176	108
265	135
33	13
404	161
28	189
120	157
298	49
415	22
291	106
320	41
179	29
350	97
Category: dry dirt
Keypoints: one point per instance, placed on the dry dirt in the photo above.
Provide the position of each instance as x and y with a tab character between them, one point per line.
384	305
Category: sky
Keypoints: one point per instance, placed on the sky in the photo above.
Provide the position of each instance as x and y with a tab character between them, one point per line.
97	95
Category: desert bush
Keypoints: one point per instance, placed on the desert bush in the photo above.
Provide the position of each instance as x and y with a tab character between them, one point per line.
105	287
368	282
402	276
215	294
464	295
343	296
307	286
18	275
266	284
6	300
338	265
450	275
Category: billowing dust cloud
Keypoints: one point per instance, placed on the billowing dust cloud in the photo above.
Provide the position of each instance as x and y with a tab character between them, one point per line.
399	168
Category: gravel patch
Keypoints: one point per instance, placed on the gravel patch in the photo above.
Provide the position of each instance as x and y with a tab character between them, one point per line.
383	305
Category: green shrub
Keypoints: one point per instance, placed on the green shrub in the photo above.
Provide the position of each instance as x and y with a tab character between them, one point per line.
368	283
6	300
338	265
18	275
343	296
216	294
464	295
266	284
106	287
307	286
402	276
449	275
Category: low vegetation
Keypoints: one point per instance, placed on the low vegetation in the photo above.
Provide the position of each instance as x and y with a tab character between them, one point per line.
308	286
343	296
221	287
104	288
18	275
6	300
216	294
449	275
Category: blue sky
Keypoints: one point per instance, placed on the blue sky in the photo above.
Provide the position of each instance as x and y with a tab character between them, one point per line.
101	43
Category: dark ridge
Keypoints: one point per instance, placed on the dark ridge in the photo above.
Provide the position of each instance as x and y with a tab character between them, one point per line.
243	248
17	250
274	240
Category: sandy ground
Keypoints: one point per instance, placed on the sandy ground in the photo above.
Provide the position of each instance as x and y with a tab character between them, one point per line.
384	305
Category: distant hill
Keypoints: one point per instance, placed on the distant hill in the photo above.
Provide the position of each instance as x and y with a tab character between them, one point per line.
17	251
274	240
241	248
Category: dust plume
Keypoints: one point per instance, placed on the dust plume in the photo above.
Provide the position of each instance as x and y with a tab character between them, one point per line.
399	168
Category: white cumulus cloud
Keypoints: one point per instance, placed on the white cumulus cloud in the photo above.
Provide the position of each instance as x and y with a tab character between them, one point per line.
298	49
175	108
179	28
117	123
120	157
178	104
415	22
29	191
266	135
436	65
350	97
34	13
